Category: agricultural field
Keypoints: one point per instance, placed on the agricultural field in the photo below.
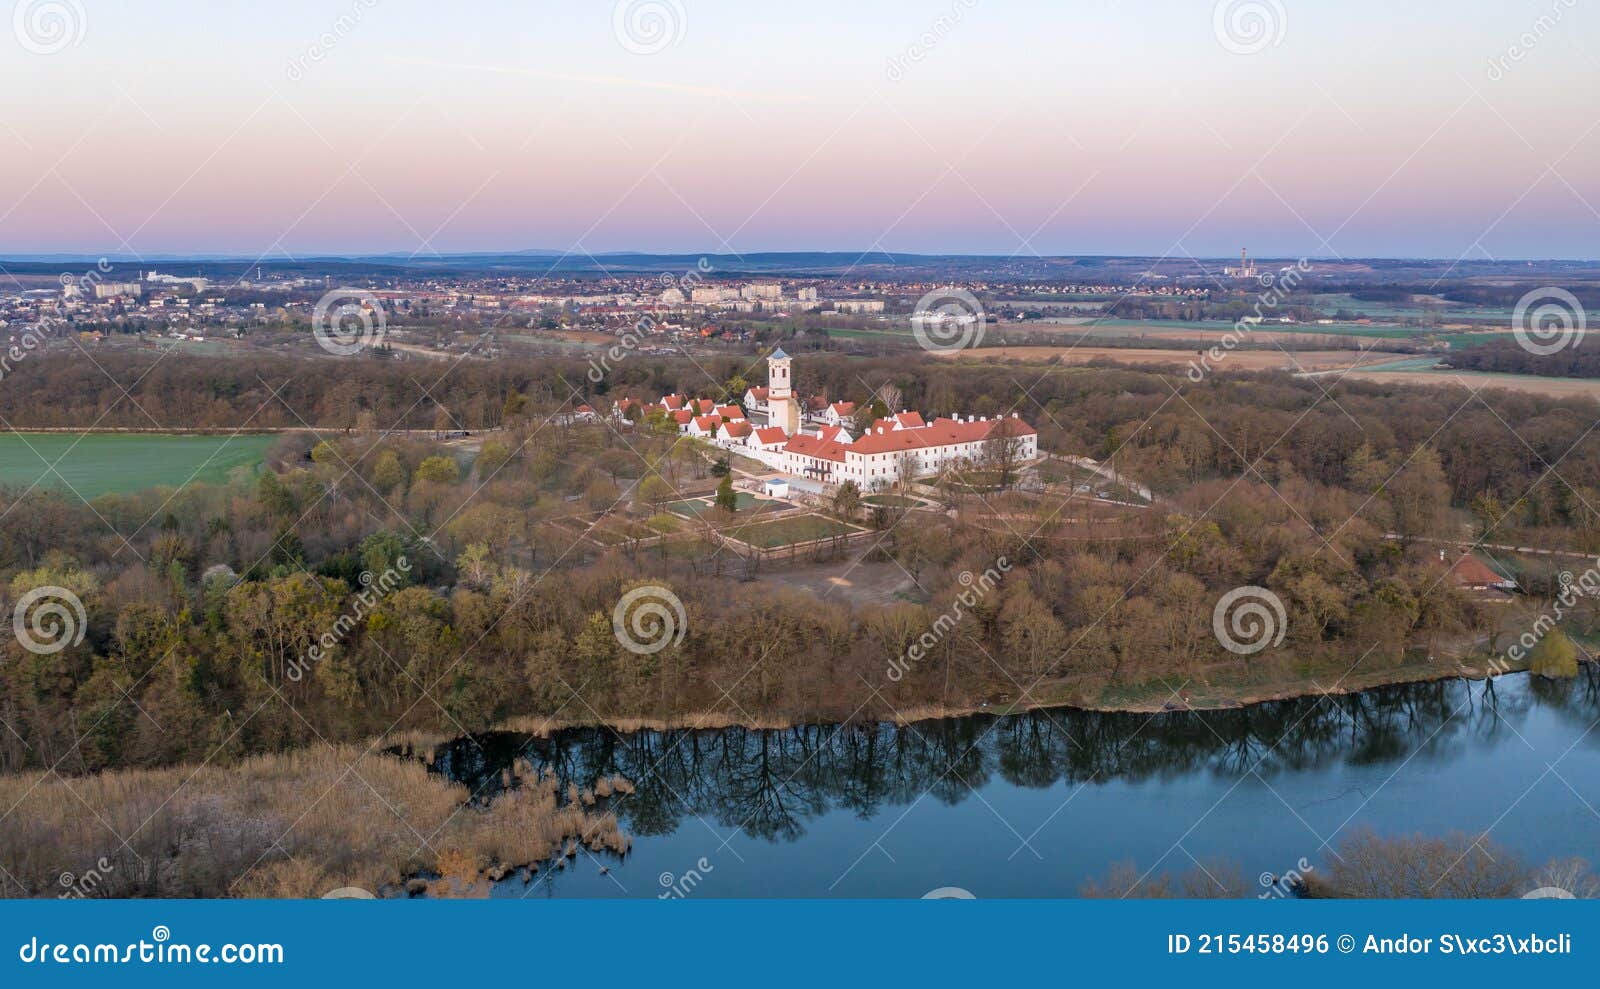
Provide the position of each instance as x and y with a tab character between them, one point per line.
119	463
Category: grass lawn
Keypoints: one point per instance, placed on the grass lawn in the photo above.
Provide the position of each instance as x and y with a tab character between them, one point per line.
797	529
695	507
120	463
892	501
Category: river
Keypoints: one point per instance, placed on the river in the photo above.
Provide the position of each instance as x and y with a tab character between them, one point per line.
1034	804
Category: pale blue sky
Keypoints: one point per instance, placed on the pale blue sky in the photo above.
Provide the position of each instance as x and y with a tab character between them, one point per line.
1360	128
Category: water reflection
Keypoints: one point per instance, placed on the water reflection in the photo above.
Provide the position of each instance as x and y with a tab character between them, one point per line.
769	783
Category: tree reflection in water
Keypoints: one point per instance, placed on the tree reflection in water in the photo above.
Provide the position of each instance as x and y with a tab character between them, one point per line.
768	783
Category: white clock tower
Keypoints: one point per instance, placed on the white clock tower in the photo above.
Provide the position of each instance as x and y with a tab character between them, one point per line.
783	411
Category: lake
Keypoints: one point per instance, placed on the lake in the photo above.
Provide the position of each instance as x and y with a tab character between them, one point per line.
1034	804
119	463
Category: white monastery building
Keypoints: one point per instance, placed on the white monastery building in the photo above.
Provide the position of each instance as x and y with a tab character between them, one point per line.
831	454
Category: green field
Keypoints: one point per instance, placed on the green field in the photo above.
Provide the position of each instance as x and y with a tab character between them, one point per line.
106	463
795	529
695	507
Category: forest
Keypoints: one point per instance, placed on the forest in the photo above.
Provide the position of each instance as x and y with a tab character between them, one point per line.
464	595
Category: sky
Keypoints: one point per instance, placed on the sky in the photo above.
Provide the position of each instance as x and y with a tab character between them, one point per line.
1434	128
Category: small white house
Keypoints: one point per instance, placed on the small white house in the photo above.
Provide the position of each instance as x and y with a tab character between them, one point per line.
776	487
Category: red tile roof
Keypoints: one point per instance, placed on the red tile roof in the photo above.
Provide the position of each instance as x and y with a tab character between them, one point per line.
683	416
673	402
759	394
816	446
1469	571
910	420
730	412
771	435
738	430
942	432
708	423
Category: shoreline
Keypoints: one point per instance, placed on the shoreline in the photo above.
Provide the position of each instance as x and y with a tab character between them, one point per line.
1152	704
